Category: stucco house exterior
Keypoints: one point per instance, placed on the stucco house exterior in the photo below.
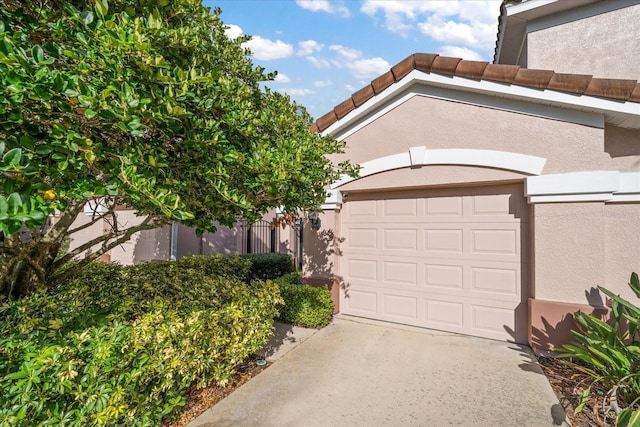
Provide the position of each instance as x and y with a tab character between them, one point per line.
493	198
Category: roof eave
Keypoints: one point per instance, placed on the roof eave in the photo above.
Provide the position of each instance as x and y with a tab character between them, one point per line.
617	112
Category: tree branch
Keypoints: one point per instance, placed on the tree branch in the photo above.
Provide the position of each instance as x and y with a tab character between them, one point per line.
125	235
121	236
67	217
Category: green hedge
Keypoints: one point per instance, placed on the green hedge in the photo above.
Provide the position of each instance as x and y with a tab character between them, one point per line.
268	266
304	305
236	267
120	345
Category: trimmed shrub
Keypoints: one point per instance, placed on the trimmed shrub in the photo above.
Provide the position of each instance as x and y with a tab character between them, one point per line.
304	305
268	266
235	267
120	345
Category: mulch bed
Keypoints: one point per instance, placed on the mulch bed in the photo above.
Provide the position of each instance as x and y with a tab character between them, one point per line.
199	400
568	383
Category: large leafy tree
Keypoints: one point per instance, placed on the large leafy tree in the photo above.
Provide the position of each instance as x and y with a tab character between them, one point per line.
138	103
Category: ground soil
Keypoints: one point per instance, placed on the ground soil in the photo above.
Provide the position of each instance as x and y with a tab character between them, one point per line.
568	383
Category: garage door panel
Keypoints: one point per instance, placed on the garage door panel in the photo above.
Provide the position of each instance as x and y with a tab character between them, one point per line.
443	240
494	241
403	273
445	277
362	269
361	302
403	239
496	282
442	207
404	208
491	321
362	238
362	209
447	259
400	307
440	314
491	204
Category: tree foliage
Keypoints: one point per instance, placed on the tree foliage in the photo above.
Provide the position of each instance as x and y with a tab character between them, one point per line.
145	104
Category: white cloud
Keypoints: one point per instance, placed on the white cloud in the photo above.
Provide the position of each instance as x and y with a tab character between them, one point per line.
346	52
233	32
355	61
478	35
266	50
309	47
470	23
366	68
319	62
298	92
332	7
323	83
460	52
349	88
282	78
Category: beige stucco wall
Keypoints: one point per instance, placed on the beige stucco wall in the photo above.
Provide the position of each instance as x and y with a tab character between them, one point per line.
435	123
321	246
226	241
579	246
604	45
83	236
435	175
143	246
622	147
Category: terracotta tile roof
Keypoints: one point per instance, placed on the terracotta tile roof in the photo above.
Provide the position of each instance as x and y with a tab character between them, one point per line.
580	84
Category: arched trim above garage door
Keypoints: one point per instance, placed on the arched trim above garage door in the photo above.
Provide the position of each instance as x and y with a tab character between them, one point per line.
420	156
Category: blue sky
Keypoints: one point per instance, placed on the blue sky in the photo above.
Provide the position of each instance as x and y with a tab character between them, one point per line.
326	50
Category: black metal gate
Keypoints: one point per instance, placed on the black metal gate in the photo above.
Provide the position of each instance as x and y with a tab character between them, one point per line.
262	237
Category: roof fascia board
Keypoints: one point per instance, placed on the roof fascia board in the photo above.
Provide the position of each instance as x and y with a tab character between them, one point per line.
525	6
578	13
580	109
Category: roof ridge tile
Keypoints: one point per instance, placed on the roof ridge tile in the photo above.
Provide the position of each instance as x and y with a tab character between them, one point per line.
403	67
445	65
423	61
500	73
538	79
572	83
471	69
611	88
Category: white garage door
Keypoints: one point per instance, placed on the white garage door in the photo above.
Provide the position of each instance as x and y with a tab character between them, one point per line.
448	259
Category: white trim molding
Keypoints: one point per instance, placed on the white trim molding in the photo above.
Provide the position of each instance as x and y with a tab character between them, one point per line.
592	186
333	200
420	156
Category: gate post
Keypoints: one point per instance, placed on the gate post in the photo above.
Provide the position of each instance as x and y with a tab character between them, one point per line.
273	237
249	238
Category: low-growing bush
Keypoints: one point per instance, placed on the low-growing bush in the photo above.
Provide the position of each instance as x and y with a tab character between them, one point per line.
268	266
120	345
304	305
236	267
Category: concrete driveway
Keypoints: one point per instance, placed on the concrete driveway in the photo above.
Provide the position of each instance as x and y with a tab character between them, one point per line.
363	373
